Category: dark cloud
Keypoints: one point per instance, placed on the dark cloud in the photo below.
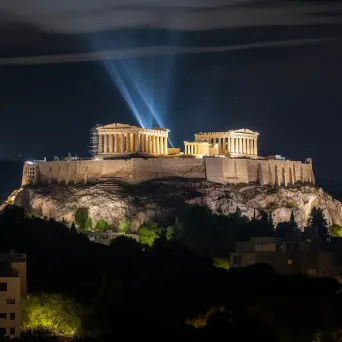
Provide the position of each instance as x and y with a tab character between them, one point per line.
97	15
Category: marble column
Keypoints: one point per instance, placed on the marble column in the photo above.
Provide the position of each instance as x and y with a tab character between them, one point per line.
122	143
161	145
228	145
127	142
105	140
248	146
157	145
240	145
245	145
153	144
165	146
137	142
255	147
149	139
100	143
142	143
110	138
116	143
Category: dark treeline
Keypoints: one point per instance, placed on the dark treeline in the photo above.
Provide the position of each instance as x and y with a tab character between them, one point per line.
131	290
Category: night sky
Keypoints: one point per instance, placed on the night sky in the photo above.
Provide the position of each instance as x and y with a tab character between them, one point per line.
273	67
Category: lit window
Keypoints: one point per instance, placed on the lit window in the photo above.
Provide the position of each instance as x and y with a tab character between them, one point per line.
289	262
3	286
10	301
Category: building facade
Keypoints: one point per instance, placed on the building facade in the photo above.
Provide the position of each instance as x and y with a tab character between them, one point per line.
115	139
233	143
289	257
12	287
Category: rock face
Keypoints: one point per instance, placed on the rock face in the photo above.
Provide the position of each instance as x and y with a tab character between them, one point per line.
164	198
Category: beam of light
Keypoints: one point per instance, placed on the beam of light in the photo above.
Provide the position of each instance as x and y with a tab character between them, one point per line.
141	85
120	84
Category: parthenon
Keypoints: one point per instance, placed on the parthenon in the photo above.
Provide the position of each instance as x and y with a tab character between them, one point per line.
116	139
233	143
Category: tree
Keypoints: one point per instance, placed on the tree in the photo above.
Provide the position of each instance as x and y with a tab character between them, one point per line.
285	228
172	232
238	217
148	233
124	225
89	224
73	229
335	230
52	313
101	225
317	224
81	217
221	263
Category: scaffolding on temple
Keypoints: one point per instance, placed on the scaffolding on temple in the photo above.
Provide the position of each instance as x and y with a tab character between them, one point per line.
94	141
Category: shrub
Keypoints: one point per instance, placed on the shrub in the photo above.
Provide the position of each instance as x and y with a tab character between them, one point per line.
101	225
221	263
274	190
51	313
148	233
292	205
81	218
124	225
89	224
335	230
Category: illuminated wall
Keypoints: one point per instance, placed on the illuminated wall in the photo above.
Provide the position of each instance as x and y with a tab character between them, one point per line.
135	170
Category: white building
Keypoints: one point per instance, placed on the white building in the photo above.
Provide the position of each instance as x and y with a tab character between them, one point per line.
12	286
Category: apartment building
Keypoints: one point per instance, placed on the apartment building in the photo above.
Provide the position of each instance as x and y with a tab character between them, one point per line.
12	287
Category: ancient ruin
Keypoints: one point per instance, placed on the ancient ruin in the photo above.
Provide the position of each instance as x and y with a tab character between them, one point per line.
233	143
132	154
116	139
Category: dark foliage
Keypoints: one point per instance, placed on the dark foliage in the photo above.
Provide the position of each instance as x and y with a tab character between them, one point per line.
133	291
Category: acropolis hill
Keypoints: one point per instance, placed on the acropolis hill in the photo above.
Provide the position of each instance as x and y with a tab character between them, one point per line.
134	175
133	155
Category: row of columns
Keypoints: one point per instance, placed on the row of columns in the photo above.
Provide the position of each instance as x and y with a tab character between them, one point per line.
239	145
191	148
131	142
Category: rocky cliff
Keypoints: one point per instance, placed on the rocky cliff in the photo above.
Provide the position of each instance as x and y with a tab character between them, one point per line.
115	201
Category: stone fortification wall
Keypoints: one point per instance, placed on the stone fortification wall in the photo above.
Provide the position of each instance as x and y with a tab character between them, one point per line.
151	168
135	170
83	171
226	170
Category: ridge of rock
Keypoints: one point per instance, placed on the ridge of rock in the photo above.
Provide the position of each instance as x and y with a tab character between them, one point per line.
162	198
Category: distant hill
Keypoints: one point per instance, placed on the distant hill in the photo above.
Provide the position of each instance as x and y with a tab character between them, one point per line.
10	177
332	186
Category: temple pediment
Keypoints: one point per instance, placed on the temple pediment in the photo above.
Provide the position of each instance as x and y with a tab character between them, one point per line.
243	131
118	126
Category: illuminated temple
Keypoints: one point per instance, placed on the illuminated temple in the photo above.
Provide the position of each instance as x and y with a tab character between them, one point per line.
114	139
233	143
133	154
119	139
